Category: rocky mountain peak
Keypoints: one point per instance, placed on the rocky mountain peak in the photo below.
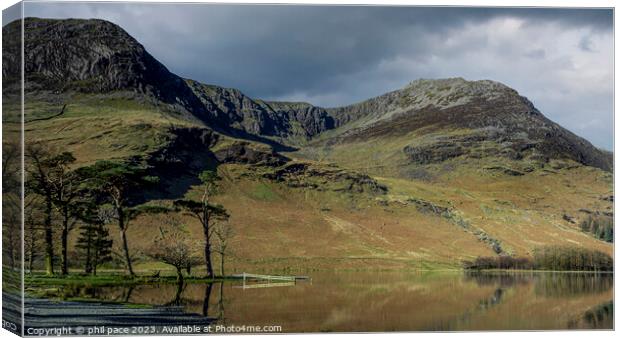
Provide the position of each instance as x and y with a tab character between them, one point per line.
93	56
452	92
487	111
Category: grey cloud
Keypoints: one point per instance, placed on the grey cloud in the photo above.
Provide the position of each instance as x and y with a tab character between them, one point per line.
586	44
536	54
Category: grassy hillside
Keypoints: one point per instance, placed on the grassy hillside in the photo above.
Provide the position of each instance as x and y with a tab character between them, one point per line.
98	127
431	216
520	203
279	227
282	227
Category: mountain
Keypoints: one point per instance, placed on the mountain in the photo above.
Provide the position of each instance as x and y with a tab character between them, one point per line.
438	120
92	56
428	175
98	56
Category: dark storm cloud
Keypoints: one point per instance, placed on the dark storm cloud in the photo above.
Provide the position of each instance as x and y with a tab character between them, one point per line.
334	55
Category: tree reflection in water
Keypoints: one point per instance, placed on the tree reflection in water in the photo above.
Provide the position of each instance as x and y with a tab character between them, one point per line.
548	284
177	301
599	317
359	301
207	298
220	305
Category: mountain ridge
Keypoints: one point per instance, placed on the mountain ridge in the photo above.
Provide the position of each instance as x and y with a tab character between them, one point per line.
101	57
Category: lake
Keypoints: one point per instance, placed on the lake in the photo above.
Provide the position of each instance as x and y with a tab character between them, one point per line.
390	301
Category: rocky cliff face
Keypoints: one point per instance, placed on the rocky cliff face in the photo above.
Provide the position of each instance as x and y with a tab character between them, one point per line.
93	56
289	120
96	56
229	107
465	118
304	119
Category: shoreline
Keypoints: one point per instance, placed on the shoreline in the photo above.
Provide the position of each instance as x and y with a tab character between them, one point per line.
104	280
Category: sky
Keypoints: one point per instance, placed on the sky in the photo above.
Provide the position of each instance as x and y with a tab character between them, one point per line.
561	59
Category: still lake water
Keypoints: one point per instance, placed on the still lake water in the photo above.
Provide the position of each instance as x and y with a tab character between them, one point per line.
393	301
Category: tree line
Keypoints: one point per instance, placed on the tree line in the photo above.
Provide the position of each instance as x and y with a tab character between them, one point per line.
60	197
558	258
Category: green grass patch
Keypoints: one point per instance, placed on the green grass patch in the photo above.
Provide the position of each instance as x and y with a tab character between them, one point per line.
263	192
40	280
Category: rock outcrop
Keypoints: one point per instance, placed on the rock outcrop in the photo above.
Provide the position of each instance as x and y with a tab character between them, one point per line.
233	109
93	56
315	177
246	153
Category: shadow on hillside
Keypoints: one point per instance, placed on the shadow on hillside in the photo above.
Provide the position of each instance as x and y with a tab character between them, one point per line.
187	154
236	133
179	163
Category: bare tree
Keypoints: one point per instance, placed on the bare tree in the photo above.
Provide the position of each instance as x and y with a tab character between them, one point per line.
206	212
173	245
223	232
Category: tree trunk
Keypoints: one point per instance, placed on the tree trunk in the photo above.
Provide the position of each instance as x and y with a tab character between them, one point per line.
49	238
94	261
63	258
222	264
126	252
208	261
87	263
123	227
179	275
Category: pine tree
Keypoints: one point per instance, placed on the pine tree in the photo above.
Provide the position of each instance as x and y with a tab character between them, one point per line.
116	181
95	245
85	245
